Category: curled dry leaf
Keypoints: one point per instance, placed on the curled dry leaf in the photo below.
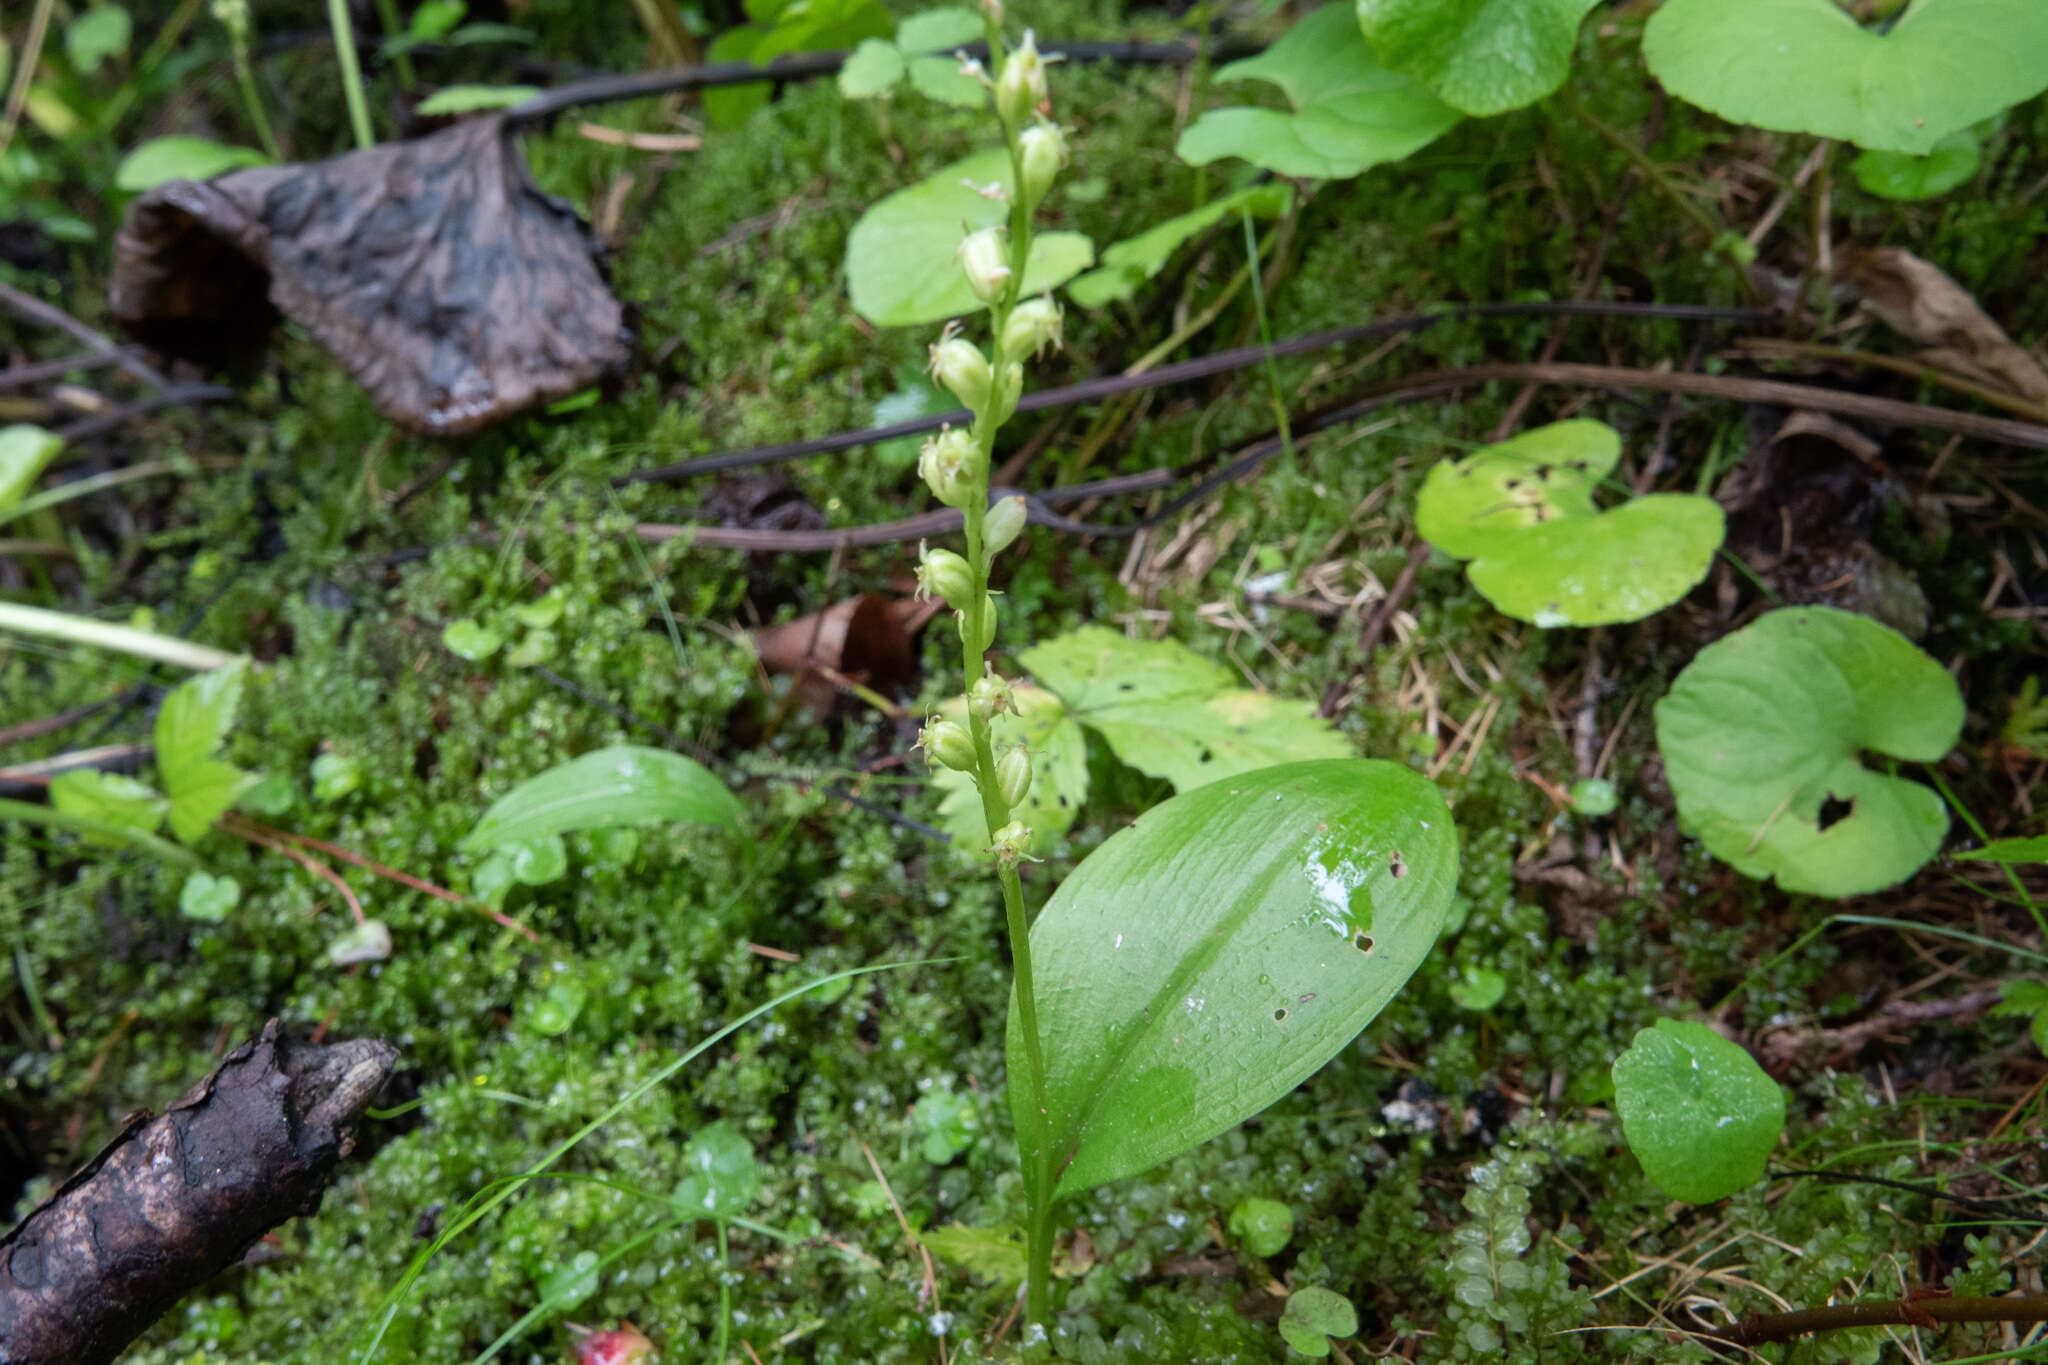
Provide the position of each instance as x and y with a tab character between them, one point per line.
446	283
865	639
1918	300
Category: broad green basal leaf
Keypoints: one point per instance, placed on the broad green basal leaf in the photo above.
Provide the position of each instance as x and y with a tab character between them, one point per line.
1059	772
626	784
1697	1111
1483	56
1137	259
1349	111
1763	736
899	256
1522	511
1167	711
1203	962
1806	66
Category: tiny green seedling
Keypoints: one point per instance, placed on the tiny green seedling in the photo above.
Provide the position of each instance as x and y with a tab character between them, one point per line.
1131	262
1160	707
1313	1316
877	67
1763	736
1807	66
1523	513
1697	1111
1349	112
1263	1227
1480	56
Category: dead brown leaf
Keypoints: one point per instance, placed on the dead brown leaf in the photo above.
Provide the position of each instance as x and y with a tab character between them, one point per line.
865	639
1918	300
449	286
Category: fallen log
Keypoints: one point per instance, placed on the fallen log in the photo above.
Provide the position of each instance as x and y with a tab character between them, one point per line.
177	1198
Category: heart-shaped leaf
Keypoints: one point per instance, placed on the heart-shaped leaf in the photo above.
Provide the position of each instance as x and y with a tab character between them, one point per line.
1167	711
1806	66
208	898
1483	56
1697	1111
1205	961
626	784
1313	1315
899	256
1137	259
1349	111
1522	511
1762	735
466	639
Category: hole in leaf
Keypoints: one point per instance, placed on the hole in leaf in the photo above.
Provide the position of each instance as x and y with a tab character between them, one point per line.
1126	687
1395	866
1834	810
1542	471
1280	1015
1207	757
1362	941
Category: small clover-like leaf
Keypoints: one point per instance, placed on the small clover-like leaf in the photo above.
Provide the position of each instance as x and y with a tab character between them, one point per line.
1697	1111
1481	56
899	256
1522	511
1313	1316
724	1178
1349	111
208	898
1762	737
467	639
1807	66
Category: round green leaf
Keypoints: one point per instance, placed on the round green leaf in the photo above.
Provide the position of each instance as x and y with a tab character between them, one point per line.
870	69
466	639
1264	1226
1478	989
1901	175
181	157
1697	1111
626	784
1314	1315
724	1178
1522	511
899	256
208	898
1761	737
536	862
1806	66
1349	111
1594	796
1206	960
101	32
1482	56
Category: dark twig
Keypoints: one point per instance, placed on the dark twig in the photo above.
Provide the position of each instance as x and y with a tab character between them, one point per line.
174	396
1383	614
40	371
35	310
63	720
1932	1310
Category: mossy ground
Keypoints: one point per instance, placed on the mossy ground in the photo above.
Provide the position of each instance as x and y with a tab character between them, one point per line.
733	259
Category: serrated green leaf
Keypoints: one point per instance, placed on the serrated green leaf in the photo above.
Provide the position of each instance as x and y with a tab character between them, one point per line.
1349	111
25	452
1763	734
626	784
181	157
990	1253
191	725
1697	1111
1522	511
899	270
1901	175
203	792
1059	772
1168	712
1481	56
110	798
1807	66
1206	960
1135	260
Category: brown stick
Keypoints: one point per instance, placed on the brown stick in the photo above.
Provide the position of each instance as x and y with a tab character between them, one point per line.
174	1200
35	310
1765	1328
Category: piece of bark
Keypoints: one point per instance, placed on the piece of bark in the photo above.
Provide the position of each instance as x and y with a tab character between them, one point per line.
449	286
175	1199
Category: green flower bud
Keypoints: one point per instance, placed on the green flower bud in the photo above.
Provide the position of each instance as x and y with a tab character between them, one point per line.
978	629
942	573
1032	326
1004	393
1011	843
1003	524
1043	150
1021	89
959	364
949	743
990	697
1013	776
985	263
948	465
992	10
